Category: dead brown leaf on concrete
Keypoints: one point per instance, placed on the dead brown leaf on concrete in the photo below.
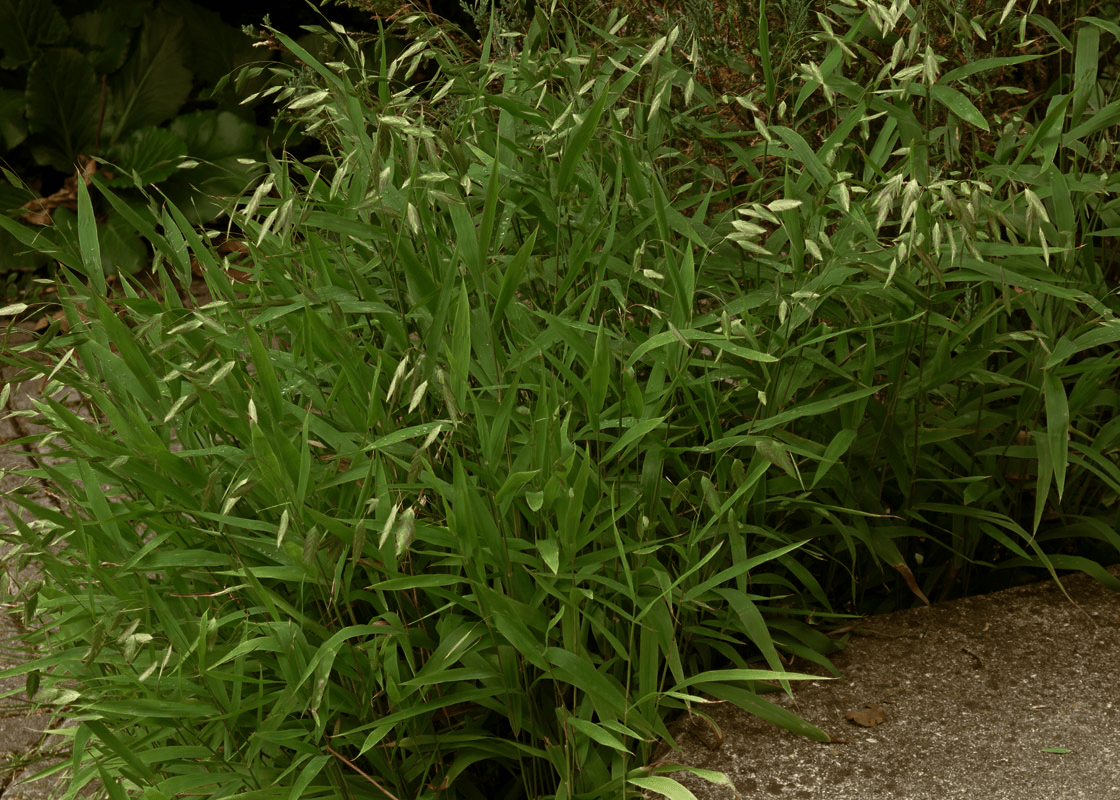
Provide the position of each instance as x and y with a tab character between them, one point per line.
868	716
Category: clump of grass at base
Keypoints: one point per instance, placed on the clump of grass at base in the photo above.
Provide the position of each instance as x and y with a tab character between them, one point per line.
392	516
512	447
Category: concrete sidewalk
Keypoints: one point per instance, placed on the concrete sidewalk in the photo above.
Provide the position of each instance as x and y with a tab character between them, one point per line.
1010	695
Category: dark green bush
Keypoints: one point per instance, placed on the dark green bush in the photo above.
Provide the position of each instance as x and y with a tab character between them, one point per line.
134	85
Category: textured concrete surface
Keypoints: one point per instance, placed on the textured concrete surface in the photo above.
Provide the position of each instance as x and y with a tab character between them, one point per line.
964	699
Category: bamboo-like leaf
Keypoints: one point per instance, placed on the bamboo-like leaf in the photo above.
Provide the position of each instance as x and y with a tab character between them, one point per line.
633	434
609	702
1057	426
765	710
765	55
121	750
1105	118
958	104
512	276
755	627
597	734
266	374
599	374
581	138
983	65
667	787
1086	63
804	154
88	240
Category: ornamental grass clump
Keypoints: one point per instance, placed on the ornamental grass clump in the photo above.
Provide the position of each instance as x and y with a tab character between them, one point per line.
524	431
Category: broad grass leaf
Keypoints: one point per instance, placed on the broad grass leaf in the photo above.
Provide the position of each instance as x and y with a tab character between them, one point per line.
1081	564
575	514
716	340
959	105
803	153
265	375
1086	63
755	627
667	787
550	554
404	434
813	409
763	709
1057	426
1054	120
119	749
633	435
324	220
512	487
736	350
597	734
178	559
737	569
1106	25
512	276
599	374
1001	276
466	241
156	708
983	65
267	460
609	701
704	679
87	240
777	454
1106	117
832	454
711	776
485	228
407	583
325	73
1096	461
459	352
509	616
452	647
312	768
579	141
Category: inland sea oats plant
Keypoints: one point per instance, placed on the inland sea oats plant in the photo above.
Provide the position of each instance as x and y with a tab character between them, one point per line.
549	406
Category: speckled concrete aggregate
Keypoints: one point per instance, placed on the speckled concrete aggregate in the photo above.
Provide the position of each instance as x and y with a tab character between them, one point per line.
975	692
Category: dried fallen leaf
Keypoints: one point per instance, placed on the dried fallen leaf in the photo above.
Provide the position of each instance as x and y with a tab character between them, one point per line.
868	716
39	211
